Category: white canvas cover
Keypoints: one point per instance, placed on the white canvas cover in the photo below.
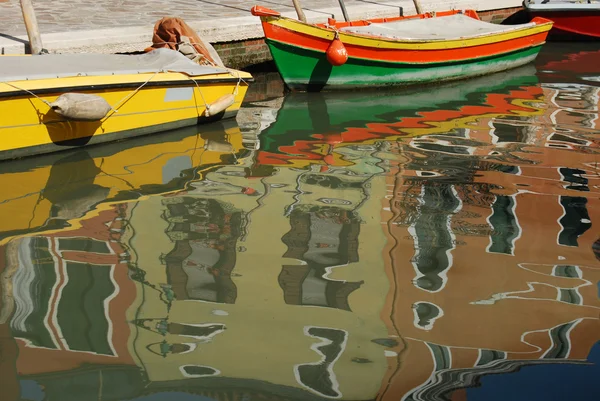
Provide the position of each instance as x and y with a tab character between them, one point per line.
18	68
458	26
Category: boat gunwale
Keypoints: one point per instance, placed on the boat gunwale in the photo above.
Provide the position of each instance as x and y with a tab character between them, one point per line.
321	31
44	90
428	64
525	55
560	7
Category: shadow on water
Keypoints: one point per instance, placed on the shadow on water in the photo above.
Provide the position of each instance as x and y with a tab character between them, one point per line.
430	243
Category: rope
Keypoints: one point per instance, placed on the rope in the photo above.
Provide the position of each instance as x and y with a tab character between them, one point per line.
235	90
30	92
239	77
115	109
201	95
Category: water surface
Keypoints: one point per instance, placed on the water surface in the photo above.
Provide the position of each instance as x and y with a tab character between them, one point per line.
433	243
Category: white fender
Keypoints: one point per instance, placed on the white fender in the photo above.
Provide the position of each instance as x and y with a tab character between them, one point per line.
81	107
219	105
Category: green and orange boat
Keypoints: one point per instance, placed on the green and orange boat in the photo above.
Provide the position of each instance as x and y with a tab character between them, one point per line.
404	50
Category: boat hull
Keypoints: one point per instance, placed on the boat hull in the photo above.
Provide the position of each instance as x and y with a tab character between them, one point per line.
28	126
293	63
300	52
572	24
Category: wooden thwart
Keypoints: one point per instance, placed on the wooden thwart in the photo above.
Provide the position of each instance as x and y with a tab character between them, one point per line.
302	17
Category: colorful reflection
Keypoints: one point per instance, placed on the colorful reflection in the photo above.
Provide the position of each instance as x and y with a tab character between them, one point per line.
414	245
45	192
312	126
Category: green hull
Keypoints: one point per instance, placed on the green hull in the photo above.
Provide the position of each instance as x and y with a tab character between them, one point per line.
304	69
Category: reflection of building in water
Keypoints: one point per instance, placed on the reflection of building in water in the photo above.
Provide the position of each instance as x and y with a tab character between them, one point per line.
65	296
499	253
262	278
251	278
323	237
264	281
572	108
570	116
205	236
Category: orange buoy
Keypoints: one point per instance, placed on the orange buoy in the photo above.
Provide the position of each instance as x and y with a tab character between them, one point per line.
336	52
329	159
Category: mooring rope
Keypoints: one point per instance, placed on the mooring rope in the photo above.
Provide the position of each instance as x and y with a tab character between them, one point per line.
115	109
30	92
201	95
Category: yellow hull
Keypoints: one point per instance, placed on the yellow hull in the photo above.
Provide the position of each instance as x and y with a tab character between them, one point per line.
144	104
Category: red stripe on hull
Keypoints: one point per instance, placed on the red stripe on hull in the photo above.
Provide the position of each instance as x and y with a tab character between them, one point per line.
283	35
573	22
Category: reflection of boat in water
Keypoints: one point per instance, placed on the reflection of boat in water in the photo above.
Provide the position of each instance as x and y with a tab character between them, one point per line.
569	62
310	125
47	191
570	79
212	282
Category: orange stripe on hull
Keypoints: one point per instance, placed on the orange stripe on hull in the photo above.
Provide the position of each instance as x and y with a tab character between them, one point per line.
293	38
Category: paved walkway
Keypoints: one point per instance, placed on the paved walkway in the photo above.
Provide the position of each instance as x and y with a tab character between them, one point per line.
72	15
71	23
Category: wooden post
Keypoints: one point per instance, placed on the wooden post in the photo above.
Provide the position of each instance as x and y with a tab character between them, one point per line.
299	11
33	32
418	6
344	12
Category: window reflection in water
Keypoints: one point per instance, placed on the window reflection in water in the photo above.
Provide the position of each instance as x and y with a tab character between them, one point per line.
322	237
205	233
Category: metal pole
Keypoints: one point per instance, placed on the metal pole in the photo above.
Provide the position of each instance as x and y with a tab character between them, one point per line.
343	6
33	32
418	6
299	11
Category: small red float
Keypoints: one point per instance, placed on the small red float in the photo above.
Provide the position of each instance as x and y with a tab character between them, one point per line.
336	52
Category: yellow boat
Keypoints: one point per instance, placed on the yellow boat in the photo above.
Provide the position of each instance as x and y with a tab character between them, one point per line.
42	109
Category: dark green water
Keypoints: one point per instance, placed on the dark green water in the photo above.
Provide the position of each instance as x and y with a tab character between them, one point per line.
436	243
